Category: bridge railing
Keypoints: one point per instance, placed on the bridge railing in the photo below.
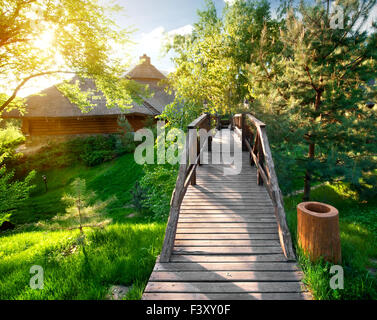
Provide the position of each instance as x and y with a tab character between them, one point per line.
186	176
254	139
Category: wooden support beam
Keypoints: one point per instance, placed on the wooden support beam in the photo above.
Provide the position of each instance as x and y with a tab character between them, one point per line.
243	128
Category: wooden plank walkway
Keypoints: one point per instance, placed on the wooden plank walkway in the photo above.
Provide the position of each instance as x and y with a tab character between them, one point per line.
227	243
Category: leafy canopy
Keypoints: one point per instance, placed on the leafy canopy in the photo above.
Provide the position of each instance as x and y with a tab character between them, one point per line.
51	38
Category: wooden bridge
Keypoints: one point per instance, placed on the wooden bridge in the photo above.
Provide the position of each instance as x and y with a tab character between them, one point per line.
227	236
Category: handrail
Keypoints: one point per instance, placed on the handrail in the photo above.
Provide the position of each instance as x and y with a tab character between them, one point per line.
197	122
186	176
261	156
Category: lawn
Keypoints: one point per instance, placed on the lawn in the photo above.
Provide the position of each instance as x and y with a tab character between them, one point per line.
358	232
123	253
110	179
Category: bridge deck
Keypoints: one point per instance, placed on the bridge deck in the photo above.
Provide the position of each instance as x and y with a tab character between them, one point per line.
227	244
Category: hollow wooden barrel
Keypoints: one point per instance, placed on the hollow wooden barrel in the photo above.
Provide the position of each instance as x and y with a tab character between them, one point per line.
318	231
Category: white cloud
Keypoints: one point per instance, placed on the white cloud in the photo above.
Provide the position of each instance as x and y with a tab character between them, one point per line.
187	29
152	44
230	1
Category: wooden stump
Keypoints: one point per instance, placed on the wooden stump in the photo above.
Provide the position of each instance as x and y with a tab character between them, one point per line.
318	231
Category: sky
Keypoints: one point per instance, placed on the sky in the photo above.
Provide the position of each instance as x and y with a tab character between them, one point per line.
153	19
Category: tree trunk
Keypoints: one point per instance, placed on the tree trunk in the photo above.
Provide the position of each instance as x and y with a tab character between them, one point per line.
311	155
308	175
318	231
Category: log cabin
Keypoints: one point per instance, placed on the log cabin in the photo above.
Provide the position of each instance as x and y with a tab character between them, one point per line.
50	115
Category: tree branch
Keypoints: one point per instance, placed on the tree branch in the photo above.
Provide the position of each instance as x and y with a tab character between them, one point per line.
24	81
310	78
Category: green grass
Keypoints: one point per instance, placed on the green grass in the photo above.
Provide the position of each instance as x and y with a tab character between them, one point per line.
124	253
114	178
358	232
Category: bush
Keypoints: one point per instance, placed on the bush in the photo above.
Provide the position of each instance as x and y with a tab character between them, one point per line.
97	150
53	155
159	182
138	197
90	151
12	193
10	138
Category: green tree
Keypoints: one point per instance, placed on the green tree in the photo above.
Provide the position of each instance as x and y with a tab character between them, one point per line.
315	89
51	38
211	62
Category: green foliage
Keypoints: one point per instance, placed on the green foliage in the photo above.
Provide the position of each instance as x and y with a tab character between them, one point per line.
311	86
82	211
159	182
122	254
308	81
12	193
138	197
91	151
96	150
10	138
109	180
211	63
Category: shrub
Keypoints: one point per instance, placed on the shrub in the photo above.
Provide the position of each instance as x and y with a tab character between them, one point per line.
96	150
53	155
91	151
12	193
10	138
159	181
138	197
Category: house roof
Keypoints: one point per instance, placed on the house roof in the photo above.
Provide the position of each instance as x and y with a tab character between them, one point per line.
52	103
145	71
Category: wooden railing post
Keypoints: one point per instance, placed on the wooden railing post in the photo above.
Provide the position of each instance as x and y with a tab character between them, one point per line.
198	147
260	162
193	151
209	134
243	128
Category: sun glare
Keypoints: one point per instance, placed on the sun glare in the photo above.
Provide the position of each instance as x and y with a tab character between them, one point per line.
46	40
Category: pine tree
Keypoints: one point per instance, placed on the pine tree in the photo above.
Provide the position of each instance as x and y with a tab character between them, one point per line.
316	89
83	210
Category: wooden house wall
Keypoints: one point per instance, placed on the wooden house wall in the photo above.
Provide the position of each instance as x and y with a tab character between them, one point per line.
83	125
